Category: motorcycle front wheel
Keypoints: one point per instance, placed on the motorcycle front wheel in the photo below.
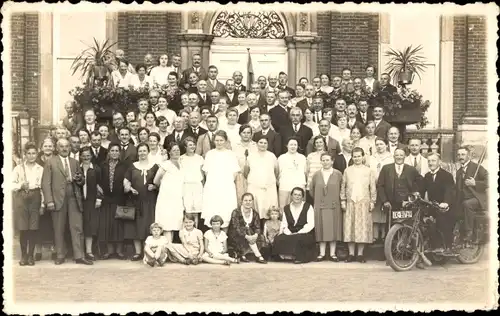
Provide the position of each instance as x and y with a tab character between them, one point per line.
400	247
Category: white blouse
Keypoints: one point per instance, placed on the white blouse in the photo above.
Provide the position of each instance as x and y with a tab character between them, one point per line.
122	81
292	171
168	114
137	83
296	210
159	74
25	173
215	243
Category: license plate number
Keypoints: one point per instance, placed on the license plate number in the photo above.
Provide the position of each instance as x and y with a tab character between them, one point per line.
402	214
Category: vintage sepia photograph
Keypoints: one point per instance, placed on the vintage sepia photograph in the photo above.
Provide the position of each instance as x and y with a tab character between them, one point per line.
249	157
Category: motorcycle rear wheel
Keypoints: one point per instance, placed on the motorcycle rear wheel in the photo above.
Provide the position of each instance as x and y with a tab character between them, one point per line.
471	254
400	240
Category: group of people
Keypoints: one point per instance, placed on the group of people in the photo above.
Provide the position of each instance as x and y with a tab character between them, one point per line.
270	174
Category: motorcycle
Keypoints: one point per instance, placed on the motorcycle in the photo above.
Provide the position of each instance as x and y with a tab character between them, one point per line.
414	236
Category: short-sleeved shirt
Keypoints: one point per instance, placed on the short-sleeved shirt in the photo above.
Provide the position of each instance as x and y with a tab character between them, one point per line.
192	239
156	243
215	243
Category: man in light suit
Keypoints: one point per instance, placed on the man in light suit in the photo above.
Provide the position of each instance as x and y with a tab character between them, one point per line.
415	159
196	68
332	146
212	83
206	141
62	190
273	138
381	126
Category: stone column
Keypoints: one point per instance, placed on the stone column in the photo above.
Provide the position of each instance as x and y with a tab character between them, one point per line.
195	44
446	88
46	67
304	56
292	57
112	28
384	41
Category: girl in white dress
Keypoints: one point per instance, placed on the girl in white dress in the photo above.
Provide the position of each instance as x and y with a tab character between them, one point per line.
292	172
156	152
216	244
169	205
163	110
309	122
368	142
262	170
231	126
159	74
191	166
219	194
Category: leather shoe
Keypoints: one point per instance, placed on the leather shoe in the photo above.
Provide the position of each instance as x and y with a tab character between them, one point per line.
38	257
244	259
298	262
59	261
31	261
84	261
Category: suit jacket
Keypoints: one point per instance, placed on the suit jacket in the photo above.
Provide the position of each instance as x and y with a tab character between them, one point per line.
202	74
101	156
54	182
261	101
171	138
303	105
332	145
387	177
399	146
340	163
369	117
279	117
441	189
231	102
218	87
204	145
291	91
480	191
274	140
74	124
359	125
129	156
389	89
304	134
206	102
93	179
382	128
113	136
240	88
201	131
422	165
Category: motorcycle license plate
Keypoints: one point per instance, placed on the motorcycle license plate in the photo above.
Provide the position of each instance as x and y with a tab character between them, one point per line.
402	214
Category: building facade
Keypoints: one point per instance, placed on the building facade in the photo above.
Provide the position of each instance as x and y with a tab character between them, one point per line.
304	44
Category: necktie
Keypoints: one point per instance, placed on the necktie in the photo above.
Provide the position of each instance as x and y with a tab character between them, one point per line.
195	131
326	144
213	108
415	162
178	138
212	143
85	187
317	117
350	162
67	170
434	177
295	128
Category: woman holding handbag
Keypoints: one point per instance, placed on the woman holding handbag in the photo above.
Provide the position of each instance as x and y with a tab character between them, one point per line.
139	181
110	228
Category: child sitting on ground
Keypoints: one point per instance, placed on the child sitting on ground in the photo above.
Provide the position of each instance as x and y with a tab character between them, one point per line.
216	244
192	247
155	251
271	230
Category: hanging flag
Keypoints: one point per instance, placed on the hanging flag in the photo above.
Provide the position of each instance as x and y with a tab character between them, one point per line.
250	74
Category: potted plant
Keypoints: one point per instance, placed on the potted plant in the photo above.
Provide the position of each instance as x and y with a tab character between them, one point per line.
95	63
404	64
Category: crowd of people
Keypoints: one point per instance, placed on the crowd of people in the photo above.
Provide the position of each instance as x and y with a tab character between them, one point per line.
266	172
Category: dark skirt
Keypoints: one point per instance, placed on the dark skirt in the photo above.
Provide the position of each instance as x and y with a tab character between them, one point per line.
241	247
27	209
300	246
110	229
90	218
144	217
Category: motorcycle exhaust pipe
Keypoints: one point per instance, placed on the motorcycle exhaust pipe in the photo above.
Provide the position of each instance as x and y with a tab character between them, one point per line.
426	261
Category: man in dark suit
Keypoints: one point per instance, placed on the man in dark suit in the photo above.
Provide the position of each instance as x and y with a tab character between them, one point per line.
352	121
394	143
344	158
149	63
307	102
196	68
439	186
339	110
178	135
273	138
99	153
280	114
260	100
230	93
194	127
238	79
364	114
396	181
176	66
381	126
118	121
203	95
61	186
212	82
73	121
270	102
472	189
295	129
332	146
386	88
128	152
262	82
282	84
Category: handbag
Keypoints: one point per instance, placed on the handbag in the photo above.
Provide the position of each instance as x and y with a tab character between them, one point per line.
125	213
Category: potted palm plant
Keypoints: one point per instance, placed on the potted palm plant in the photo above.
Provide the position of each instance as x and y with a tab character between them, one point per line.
404	64
95	63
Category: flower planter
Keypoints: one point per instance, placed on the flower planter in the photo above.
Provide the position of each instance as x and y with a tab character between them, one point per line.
405	77
405	116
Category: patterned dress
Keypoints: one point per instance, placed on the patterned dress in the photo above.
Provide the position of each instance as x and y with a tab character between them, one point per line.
377	161
358	190
239	227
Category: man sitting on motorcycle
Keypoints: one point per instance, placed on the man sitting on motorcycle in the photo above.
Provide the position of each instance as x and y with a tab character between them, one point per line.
440	187
472	186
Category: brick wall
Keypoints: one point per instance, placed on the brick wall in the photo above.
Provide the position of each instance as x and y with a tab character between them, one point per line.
469	68
25	65
140	33
324	20
354	42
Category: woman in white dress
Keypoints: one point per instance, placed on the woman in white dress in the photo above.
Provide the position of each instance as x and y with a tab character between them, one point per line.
325	84
169	210
309	122
191	166
343	131
368	141
254	121
159	74
156	153
122	77
141	79
163	110
262	170
379	159
292	171
219	194
242	148
314	163
299	95
232	128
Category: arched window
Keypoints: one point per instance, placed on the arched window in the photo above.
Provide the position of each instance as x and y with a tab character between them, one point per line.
264	24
